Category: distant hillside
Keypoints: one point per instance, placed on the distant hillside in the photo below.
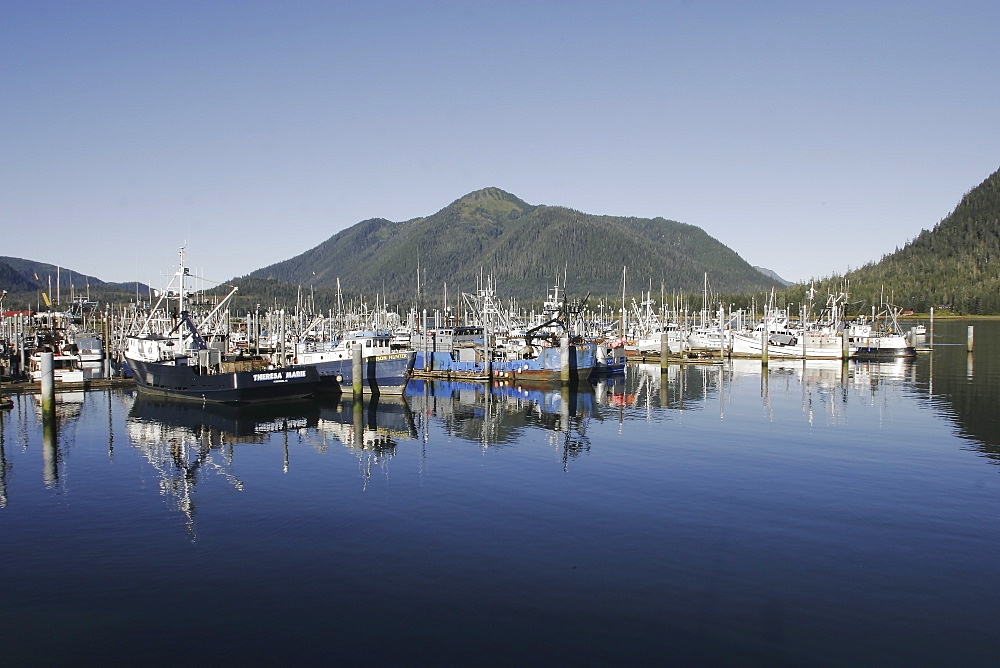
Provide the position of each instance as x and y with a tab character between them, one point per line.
772	274
26	280
955	265
526	248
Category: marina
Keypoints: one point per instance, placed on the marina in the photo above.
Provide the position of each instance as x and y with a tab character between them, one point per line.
189	343
557	334
813	511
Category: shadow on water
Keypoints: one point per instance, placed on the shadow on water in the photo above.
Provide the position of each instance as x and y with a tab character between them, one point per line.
964	385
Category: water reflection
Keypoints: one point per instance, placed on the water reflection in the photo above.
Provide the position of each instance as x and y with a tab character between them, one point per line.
678	387
371	429
68	405
185	441
5	466
181	440
964	386
220	426
708	506
495	415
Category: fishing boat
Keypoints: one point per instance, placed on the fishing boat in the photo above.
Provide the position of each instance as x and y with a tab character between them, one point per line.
648	330
609	357
514	357
786	340
76	355
796	345
708	337
495	347
873	341
879	337
548	362
201	373
451	352
180	362
385	369
917	335
553	350
820	338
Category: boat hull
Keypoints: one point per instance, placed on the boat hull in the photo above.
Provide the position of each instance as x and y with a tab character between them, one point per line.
817	347
881	348
380	374
548	365
608	360
237	387
545	367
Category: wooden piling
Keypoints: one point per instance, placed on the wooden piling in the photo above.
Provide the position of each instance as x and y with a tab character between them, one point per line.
357	382
564	362
48	385
930	339
664	351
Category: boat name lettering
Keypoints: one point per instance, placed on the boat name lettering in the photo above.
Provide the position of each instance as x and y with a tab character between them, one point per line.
279	375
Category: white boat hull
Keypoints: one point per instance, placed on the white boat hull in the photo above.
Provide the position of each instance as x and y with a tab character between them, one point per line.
811	346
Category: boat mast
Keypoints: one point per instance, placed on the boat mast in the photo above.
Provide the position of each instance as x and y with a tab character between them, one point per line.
704	303
180	273
621	321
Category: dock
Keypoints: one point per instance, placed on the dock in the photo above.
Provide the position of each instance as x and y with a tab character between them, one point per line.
89	384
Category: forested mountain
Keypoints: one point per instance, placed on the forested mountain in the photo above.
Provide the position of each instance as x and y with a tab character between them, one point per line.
955	265
528	248
525	248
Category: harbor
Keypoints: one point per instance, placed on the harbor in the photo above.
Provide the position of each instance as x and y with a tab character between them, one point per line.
190	343
712	510
524	334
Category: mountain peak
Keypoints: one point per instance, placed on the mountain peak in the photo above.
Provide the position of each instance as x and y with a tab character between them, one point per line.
488	203
491	193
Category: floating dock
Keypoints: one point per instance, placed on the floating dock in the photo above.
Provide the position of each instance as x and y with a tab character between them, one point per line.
34	387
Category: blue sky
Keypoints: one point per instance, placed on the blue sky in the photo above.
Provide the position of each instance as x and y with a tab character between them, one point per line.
808	137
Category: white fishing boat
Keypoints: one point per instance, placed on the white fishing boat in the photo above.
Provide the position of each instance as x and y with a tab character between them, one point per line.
648	329
870	341
75	355
709	338
787	340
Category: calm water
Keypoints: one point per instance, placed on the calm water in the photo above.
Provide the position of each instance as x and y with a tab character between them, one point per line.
816	516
